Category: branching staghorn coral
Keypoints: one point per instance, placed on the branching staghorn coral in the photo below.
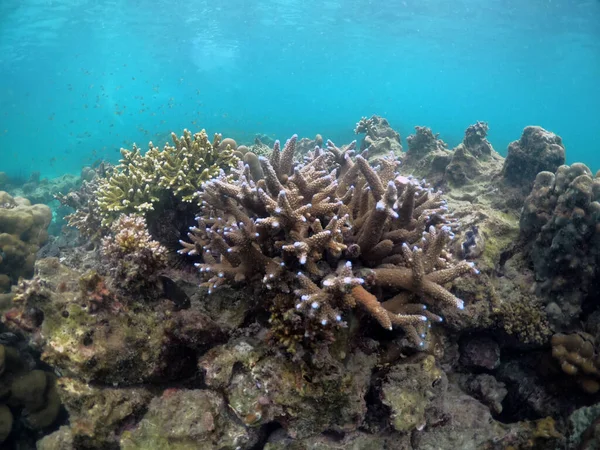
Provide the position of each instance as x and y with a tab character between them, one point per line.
139	181
333	234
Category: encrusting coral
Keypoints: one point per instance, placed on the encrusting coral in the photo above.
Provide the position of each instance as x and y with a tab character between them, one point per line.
140	181
330	234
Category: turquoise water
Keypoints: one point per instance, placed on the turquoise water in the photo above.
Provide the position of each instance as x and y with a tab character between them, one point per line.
81	78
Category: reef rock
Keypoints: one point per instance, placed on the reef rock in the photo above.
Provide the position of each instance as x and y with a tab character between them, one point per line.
96	414
414	392
427	156
305	399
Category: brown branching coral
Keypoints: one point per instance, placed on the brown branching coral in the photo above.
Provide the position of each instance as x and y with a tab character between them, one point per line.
334	233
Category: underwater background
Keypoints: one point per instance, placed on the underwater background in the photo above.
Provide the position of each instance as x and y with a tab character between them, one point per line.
80	79
360	225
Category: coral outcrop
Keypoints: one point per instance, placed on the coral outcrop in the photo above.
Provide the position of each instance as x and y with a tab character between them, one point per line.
538	150
380	138
424	142
330	235
88	332
474	159
23	229
472	163
142	180
560	220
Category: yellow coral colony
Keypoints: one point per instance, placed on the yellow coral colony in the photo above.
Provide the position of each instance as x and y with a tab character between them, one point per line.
139	181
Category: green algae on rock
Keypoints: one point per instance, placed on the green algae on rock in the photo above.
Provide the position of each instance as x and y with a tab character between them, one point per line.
97	412
113	344
305	400
188	419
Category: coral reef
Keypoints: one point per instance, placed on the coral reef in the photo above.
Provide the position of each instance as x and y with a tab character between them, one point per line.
538	150
40	190
23	229
560	220
331	234
140	181
306	257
